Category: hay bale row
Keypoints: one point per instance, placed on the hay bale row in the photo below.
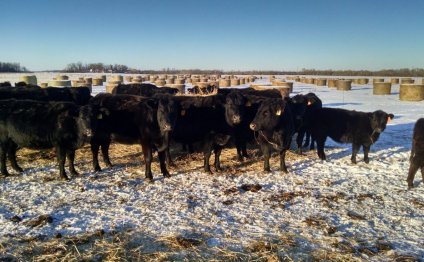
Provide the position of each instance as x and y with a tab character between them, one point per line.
344	85
60	83
407	81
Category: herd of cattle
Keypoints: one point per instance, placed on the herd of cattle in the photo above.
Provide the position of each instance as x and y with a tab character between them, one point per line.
158	118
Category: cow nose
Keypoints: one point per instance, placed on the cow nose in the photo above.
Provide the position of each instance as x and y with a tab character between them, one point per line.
88	133
166	127
236	119
253	126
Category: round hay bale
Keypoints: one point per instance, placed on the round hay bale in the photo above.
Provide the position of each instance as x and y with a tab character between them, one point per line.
97	82
128	78
332	83
362	81
242	81
75	83
179	81
111	85
137	80
321	82
180	87
152	78
89	80
44	85
29	79
118	78
411	92
310	81
160	82
407	81
235	82
81	78
284	90
224	82
377	80
204	84
60	83
103	78
170	81
382	88
394	81
344	85
257	85
62	77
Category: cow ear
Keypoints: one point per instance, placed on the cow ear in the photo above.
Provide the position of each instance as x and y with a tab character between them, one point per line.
390	117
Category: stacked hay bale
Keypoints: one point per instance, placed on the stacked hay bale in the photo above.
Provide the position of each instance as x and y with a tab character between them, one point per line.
407	81
411	92
394	81
29	79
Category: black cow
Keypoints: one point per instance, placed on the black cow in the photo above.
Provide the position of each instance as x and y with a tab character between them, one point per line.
314	103
346	126
77	95
42	125
274	126
146	90
416	161
5	84
202	120
209	89
134	119
303	107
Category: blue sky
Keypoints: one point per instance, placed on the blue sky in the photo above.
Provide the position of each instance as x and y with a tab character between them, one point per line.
220	34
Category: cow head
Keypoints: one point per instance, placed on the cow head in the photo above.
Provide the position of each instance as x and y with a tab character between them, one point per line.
379	120
89	117
167	113
298	105
268	115
234	108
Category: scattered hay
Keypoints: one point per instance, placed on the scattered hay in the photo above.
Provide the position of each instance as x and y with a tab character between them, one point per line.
251	187
180	242
39	221
417	203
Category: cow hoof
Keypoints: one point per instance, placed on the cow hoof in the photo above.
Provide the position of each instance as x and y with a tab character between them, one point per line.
166	175
367	161
109	165
285	171
149	180
354	162
74	173
18	169
267	170
97	169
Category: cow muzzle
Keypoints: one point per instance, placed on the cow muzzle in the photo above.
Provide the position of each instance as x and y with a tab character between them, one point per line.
88	133
167	128
253	126
236	119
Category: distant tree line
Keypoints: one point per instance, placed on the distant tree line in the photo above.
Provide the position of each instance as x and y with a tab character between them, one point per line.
12	67
96	68
117	68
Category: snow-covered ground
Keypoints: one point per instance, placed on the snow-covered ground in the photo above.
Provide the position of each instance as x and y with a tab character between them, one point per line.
319	203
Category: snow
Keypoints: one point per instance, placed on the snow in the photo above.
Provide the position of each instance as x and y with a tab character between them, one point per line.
195	202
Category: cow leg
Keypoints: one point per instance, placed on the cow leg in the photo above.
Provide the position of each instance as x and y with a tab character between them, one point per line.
95	152
147	152
217	151
283	166
61	158
168	157
12	158
355	149
267	153
244	150
105	153
320	148
162	161
422	173
413	168
239	153
307	134
3	161
299	141
71	158
206	157
366	151
312	147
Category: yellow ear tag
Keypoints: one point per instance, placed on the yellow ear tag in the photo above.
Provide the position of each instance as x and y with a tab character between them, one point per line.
278	113
99	116
309	103
183	112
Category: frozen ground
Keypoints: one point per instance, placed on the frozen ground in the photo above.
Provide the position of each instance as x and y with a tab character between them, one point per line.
364	209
